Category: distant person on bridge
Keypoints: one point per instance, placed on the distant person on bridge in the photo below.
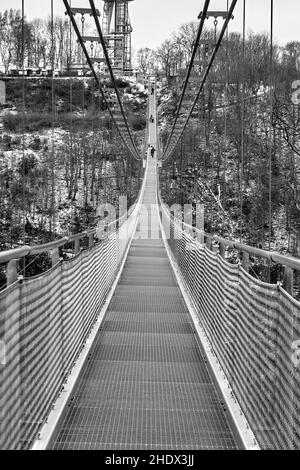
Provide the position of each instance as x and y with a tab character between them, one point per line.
152	151
151	118
152	91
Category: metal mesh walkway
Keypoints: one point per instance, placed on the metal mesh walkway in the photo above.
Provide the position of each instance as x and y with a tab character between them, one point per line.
145	384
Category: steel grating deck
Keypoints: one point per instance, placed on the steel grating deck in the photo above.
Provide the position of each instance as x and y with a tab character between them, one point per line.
146	383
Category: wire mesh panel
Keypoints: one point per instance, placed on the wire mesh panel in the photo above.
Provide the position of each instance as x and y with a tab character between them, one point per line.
41	349
44	323
10	374
72	301
288	371
254	330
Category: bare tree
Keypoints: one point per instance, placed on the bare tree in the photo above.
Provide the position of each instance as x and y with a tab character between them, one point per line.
145	59
39	43
185	39
167	57
10	30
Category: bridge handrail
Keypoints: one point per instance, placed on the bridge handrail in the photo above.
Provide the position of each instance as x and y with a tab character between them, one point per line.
274	256
11	257
17	253
290	263
25	250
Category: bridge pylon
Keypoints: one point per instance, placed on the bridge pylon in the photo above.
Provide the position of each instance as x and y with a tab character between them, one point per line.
117	31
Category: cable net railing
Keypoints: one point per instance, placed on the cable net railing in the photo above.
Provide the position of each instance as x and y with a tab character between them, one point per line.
44	324
254	331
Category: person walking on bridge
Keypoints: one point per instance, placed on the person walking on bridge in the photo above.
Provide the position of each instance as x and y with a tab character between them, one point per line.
152	151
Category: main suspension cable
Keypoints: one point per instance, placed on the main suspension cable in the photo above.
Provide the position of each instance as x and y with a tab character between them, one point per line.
81	42
196	45
166	155
102	41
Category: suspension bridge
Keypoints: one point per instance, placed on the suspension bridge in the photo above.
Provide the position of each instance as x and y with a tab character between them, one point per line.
149	338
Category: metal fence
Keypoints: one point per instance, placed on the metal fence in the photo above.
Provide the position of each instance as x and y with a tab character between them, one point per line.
254	330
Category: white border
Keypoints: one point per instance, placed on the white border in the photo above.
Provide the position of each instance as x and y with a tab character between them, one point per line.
245	433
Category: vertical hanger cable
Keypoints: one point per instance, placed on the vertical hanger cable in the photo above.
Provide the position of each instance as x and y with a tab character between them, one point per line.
52	125
241	176
23	129
271	125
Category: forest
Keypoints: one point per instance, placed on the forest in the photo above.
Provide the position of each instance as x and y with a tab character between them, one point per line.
47	44
240	153
60	154
57	167
239	156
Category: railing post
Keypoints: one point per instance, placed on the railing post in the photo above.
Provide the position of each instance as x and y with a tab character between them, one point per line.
288	280
12	272
222	250
172	228
200	237
200	217
214	248
188	230
77	246
55	256
245	261
209	243
91	239
100	234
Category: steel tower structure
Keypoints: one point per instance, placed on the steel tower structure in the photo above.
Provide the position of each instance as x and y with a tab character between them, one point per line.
117	31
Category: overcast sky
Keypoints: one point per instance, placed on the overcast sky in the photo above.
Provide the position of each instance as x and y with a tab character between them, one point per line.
153	21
